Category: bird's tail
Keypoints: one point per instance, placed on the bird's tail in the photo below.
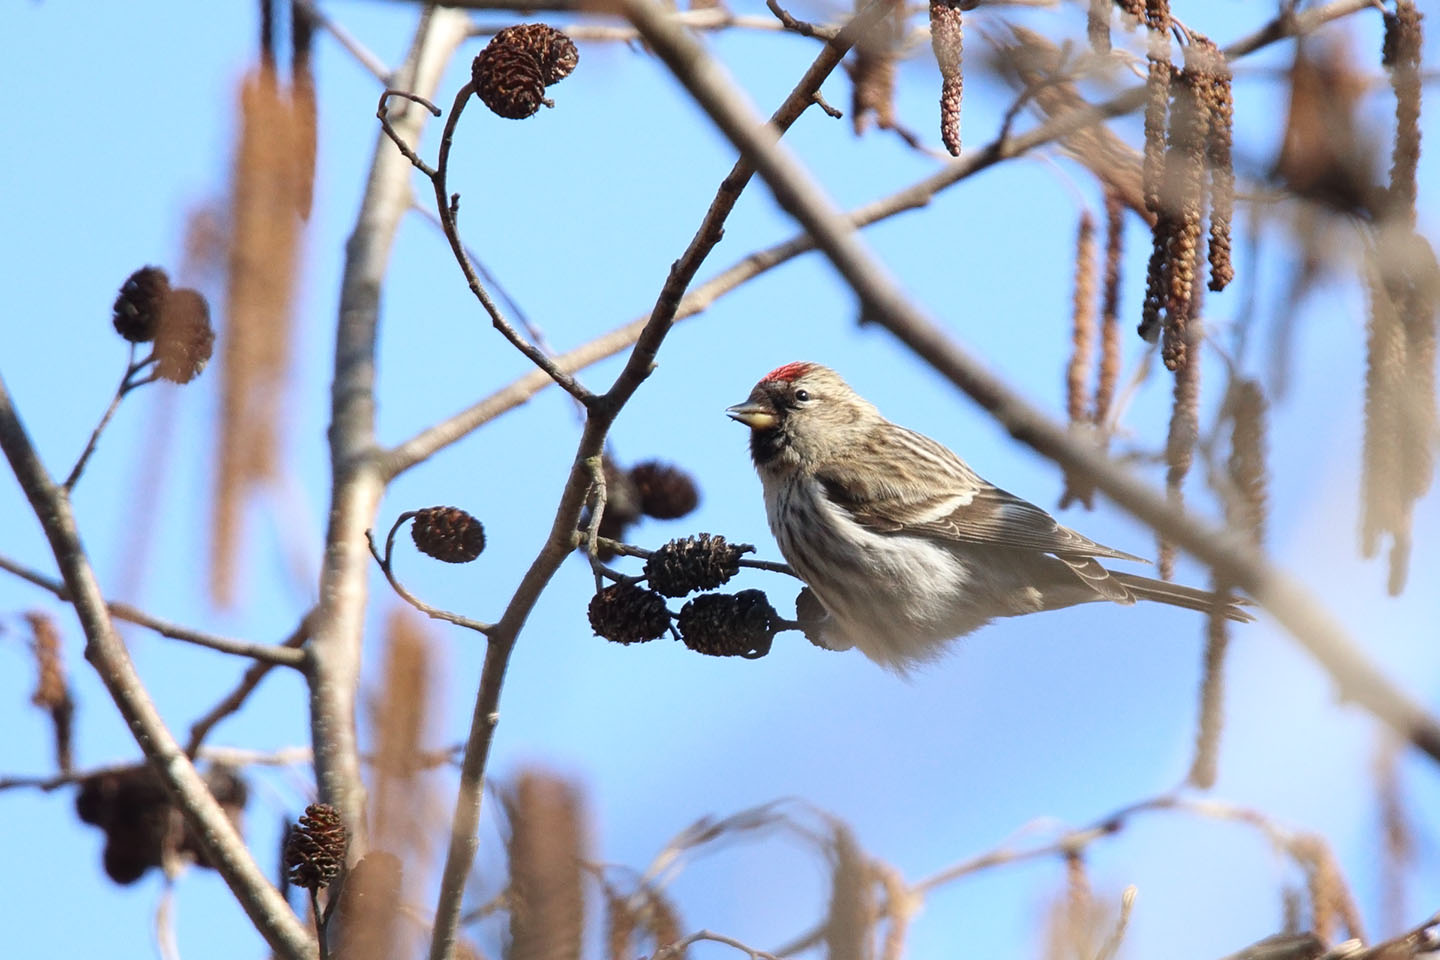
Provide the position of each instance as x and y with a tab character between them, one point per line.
1190	598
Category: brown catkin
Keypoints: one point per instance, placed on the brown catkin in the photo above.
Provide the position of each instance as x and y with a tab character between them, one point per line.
851	920
872	71
1157	99
1218	97
303	105
1180	443
1384	372
1044	73
947	40
1157	278
1082	322
662	920
1097	26
546	851
1204	765
1110	358
52	690
1331	903
620	923
1397	832
1246	506
1403	39
255	352
1185	201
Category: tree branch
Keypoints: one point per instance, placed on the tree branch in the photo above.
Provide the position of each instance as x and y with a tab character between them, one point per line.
266	653
885	303
104	649
357	483
234	700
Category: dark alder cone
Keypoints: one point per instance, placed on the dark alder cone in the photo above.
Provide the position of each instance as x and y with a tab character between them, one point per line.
315	850
131	807
554	51
625	613
137	308
810	612
508	80
701	562
448	533
729	625
184	340
666	492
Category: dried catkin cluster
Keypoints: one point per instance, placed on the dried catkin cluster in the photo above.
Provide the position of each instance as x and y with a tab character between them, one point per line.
1199	136
1244	495
1082	323
1157	98
872	71
52	689
1038	68
270	189
547	849
1400	412
947	41
1087	409
1097	25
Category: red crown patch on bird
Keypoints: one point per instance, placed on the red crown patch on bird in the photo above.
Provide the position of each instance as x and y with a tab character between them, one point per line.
791	371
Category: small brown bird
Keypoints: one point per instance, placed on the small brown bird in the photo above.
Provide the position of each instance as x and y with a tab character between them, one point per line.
905	546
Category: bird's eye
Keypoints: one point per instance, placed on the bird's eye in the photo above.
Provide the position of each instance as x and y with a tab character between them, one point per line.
802	395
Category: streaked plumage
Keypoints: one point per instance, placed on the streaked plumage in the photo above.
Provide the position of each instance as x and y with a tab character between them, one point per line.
906	546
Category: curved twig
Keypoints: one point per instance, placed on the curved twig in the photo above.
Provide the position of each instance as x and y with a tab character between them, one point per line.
435	613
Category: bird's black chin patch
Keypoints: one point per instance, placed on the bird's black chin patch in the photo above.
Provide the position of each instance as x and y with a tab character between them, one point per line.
766	445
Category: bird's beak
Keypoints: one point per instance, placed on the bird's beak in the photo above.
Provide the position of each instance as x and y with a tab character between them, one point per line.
756	416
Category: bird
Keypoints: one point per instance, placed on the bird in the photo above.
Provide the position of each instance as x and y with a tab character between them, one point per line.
904	545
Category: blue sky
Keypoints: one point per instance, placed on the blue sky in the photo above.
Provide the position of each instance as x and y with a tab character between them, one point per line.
123	122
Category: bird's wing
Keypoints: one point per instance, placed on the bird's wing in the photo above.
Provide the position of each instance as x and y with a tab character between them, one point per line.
936	495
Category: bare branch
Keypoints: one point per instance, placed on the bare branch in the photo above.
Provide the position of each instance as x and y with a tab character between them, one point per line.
266	653
234	700
357	483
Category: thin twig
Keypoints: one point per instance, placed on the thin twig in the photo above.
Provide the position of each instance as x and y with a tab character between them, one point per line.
236	698
677	949
127	384
346	39
386	567
267	653
446	204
